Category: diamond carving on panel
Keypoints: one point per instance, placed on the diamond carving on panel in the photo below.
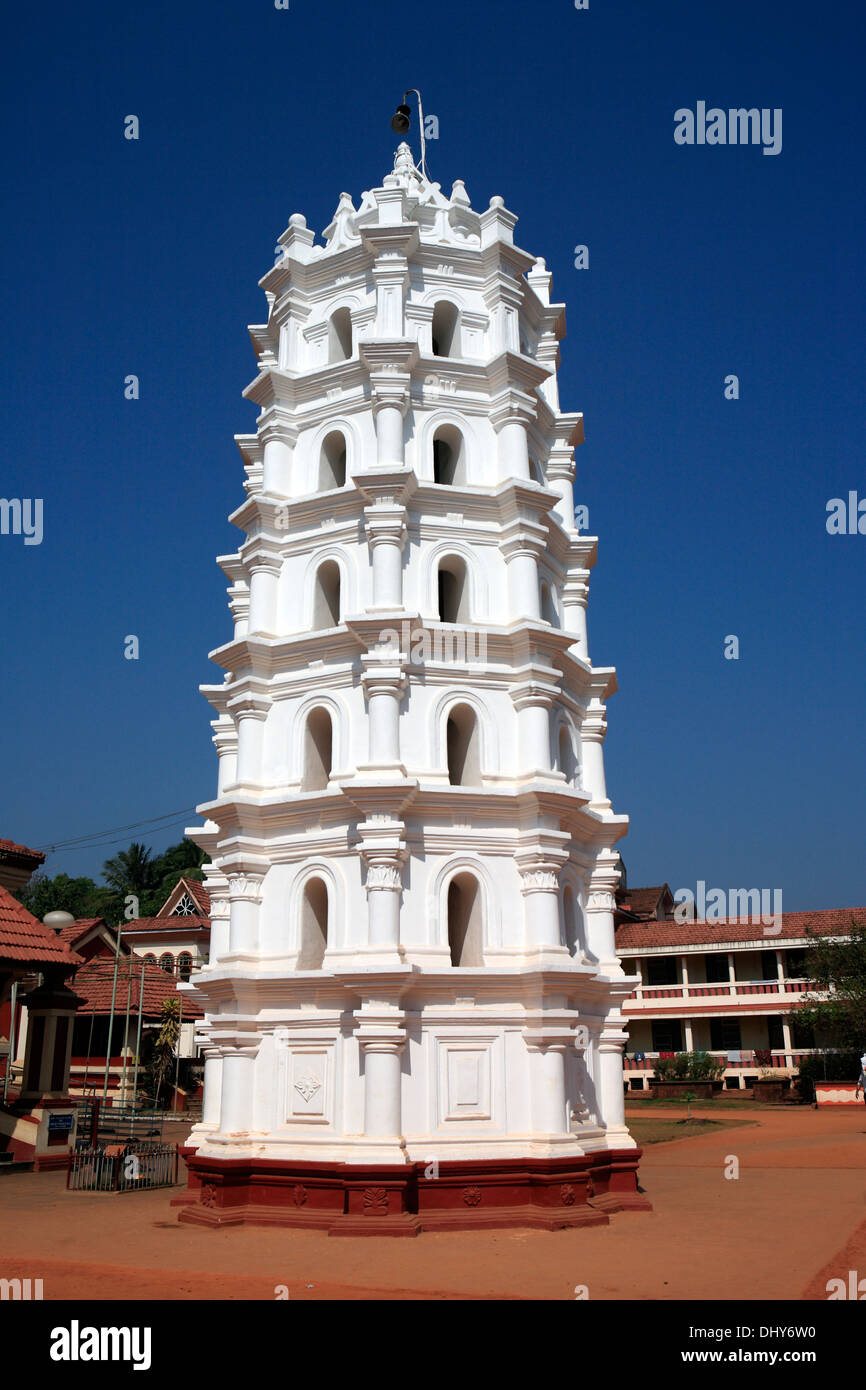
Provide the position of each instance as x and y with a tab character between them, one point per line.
308	1086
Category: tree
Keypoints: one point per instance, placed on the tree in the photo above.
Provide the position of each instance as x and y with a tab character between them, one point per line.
841	1017
165	1046
80	896
130	871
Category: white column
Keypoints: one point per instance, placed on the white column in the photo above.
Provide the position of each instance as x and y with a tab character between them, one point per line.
383	682
386	536
264	585
689	1039
513	449
592	732
611	1042
211	1104
237	1088
547	1062
382	1037
532	701
245	896
277	461
540	867
524	591
250	712
575	595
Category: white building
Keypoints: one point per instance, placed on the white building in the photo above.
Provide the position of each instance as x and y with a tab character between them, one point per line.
413	996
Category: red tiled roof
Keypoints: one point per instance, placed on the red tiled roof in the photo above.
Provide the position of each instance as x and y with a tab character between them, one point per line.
20	851
641	900
78	929
24	938
823	921
164	924
95	983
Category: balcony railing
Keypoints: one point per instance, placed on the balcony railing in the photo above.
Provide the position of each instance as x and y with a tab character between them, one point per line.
726	989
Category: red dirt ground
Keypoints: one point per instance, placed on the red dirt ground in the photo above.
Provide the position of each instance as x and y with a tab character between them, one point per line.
794	1218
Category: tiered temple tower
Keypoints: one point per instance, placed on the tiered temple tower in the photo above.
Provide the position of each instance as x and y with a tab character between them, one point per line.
413	997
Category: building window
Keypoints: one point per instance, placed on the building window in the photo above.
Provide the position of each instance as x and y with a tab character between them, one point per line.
776	1033
453	587
662	970
667	1035
796	965
314	925
340	336
725	1035
150	959
462	741
184	965
166	963
332	462
318	751
184	907
465	924
449	457
326	596
769	970
717	968
446	330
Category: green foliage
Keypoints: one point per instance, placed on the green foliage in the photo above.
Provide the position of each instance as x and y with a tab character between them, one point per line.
689	1066
827	1066
132	871
80	896
161	1054
841	1018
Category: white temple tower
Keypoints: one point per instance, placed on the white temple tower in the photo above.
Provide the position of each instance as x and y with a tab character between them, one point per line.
413	997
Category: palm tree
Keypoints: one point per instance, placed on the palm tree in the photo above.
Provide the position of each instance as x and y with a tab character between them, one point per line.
130	871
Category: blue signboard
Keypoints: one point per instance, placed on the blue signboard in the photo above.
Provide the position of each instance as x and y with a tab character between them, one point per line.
60	1123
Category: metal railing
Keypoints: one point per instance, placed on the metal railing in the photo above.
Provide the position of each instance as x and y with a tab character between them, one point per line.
129	1167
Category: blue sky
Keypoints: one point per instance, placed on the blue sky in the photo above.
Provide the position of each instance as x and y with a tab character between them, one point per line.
144	257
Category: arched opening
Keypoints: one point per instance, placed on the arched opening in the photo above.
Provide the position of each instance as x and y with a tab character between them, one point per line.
184	965
453	585
449	457
548	607
150	959
340	336
318	751
166	962
566	760
462	746
572	923
314	925
332	462
465	921
326	596
446	332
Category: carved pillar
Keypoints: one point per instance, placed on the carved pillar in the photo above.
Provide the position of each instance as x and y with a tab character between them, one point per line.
386	537
211	1104
547	1045
239	1053
539	867
575	596
382	1037
250	712
533	700
383	681
264	570
521	549
612	1039
245	896
279	437
510	417
592	732
225	740
599	910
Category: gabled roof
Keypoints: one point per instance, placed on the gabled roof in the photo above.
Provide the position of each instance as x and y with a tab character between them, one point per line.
95	983
197	892
643	902
795	926
24	938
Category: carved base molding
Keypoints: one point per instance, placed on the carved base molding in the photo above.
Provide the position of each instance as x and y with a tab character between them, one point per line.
361	1199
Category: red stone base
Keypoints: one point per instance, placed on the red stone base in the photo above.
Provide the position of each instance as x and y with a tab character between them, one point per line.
356	1199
